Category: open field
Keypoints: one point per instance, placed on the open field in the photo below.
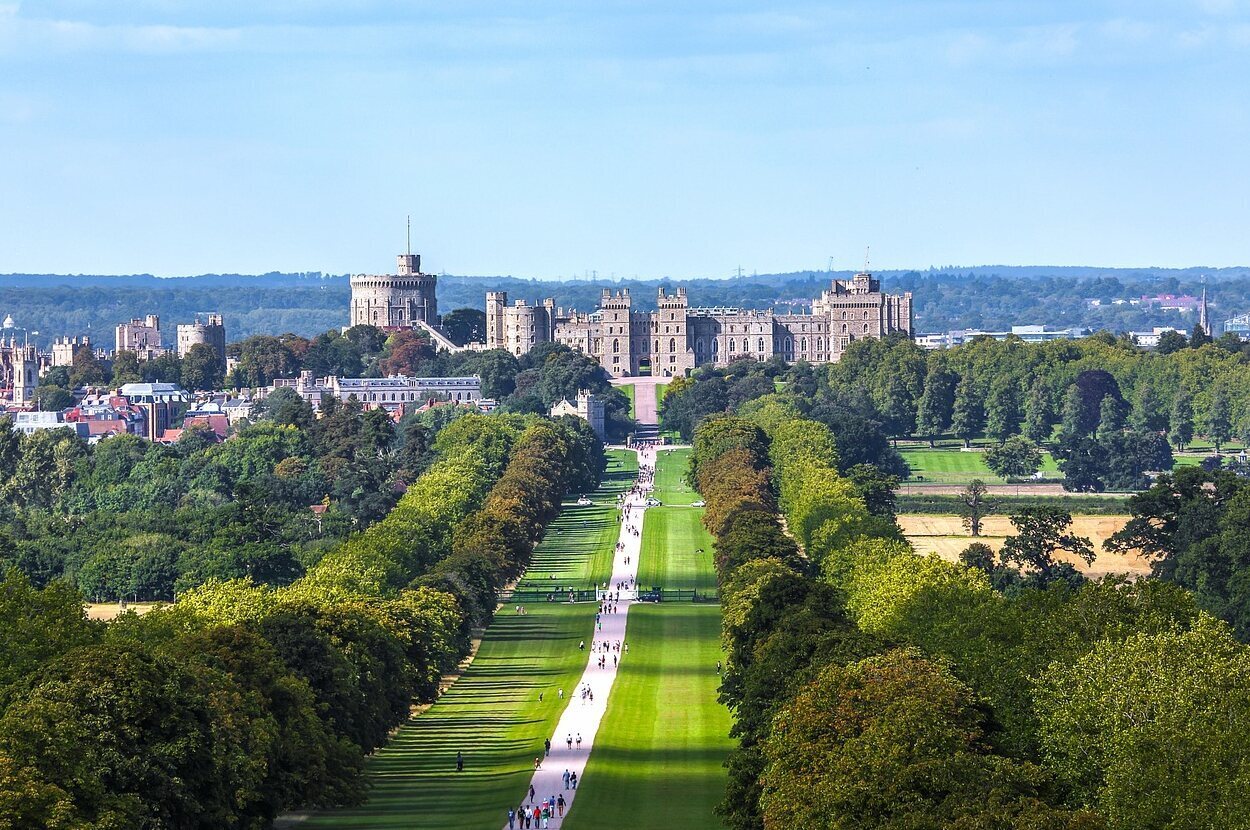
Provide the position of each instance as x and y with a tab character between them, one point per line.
671	539
953	466
112	610
658	756
670	477
492	713
945	536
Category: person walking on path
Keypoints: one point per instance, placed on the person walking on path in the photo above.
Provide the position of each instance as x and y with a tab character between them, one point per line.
531	792
538	762
511	819
579	740
546	746
566	779
573	780
560	806
570	740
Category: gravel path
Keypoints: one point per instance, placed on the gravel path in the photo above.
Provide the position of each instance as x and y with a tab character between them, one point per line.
582	714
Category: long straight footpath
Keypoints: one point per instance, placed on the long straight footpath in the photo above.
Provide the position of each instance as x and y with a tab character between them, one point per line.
493	712
574	737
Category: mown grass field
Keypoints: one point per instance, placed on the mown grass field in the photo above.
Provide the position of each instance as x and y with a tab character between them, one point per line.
492	714
670	478
952	466
658	756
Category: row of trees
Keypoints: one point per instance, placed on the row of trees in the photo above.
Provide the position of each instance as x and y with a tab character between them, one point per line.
874	688
244	700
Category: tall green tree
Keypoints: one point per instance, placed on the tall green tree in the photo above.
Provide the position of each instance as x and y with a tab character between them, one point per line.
968	417
1039	419
1219	420
1003	411
1181	421
936	405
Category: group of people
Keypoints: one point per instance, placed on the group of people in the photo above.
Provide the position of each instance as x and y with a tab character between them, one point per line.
537	814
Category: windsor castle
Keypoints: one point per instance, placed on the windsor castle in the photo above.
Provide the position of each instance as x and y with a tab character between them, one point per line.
669	341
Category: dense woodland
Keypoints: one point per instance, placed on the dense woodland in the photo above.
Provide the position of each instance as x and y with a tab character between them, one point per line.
993	298
872	688
248	698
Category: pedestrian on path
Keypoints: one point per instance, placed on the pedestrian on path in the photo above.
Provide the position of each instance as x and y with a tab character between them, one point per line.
546	746
538	762
560	806
531	793
566	779
570	740
511	819
573	780
579	740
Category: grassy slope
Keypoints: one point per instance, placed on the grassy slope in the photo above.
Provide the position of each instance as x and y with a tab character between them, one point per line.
670	478
658	755
492	713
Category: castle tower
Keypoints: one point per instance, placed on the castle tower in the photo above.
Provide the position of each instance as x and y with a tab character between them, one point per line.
670	347
617	353
208	330
496	302
395	301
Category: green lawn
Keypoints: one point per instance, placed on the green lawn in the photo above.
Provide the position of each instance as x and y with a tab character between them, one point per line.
492	713
661	389
657	761
670	538
670	478
952	466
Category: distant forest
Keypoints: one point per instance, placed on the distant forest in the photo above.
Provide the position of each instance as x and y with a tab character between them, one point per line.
987	297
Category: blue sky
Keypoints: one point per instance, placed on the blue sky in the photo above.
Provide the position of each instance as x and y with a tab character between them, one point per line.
548	138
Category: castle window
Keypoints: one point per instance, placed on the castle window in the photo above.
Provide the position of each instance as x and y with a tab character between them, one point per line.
731	345
746	345
616	345
803	343
761	345
865	328
844	328
672	344
844	314
820	343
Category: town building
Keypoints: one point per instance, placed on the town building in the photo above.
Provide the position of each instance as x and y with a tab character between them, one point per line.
391	393
208	330
403	300
28	423
677	337
588	407
1027	333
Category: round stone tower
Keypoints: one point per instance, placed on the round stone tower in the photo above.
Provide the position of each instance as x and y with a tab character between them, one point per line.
395	301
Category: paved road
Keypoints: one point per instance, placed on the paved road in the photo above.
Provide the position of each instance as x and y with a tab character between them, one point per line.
582	714
646	409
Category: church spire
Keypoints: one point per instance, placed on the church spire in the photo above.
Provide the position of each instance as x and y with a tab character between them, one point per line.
1203	320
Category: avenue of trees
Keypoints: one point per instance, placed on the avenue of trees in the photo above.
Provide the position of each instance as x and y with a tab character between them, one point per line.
246	698
873	688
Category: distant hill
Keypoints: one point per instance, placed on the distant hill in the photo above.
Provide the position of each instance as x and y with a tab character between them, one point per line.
991	297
